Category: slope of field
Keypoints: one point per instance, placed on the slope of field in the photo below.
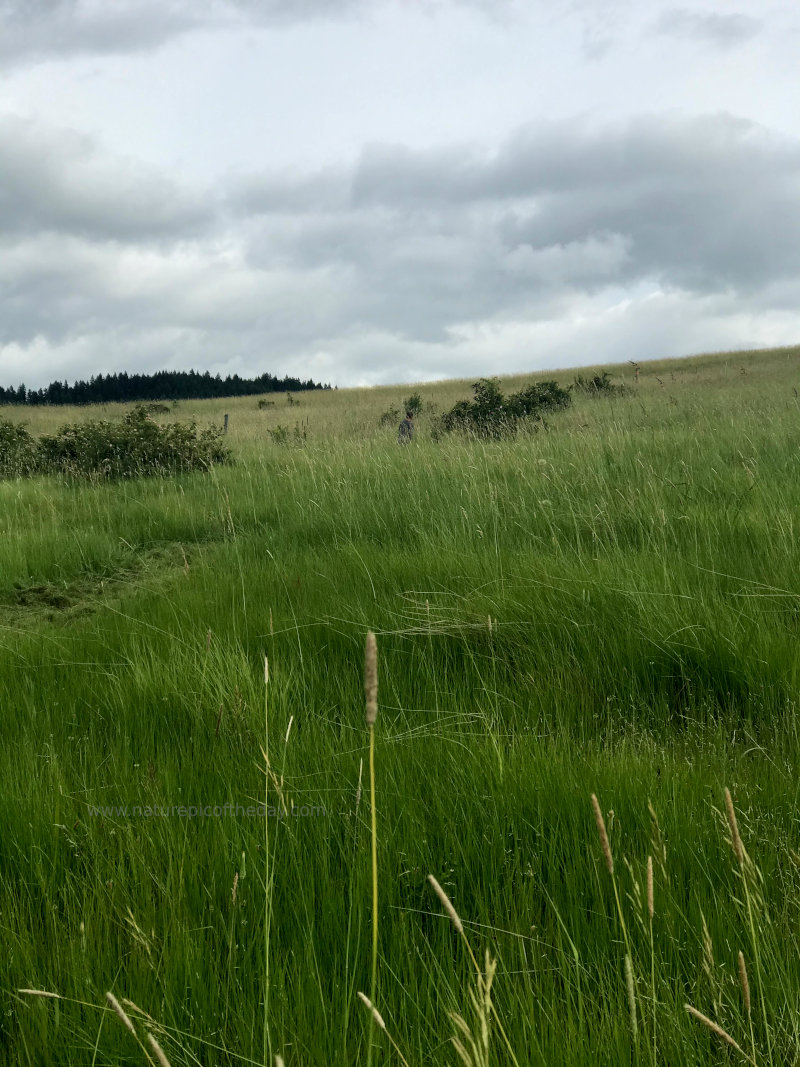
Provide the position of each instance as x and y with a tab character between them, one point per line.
610	605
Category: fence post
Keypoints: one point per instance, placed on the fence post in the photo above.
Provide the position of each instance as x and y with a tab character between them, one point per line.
226	425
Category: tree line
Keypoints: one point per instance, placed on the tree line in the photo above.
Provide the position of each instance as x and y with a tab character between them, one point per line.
162	385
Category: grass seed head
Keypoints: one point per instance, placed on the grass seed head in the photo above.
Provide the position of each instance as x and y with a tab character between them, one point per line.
447	904
158	1051
650	896
371	679
736	840
601	829
124	1018
629	985
376	1015
129	1004
714	1028
39	993
358	789
745	982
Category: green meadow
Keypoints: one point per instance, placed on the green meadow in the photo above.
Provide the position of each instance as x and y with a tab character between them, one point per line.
609	605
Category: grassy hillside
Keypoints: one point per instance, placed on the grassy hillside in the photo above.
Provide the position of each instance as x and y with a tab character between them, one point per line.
610	605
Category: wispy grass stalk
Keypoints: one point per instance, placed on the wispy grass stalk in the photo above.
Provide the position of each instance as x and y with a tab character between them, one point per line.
609	859
267	867
371	715
745	869
744	982
630	986
455	918
378	1019
716	1029
650	914
124	1018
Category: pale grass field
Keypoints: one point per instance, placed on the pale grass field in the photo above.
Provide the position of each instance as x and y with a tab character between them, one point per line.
347	414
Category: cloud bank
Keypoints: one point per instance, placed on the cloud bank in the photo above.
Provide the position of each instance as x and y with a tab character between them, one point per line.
564	244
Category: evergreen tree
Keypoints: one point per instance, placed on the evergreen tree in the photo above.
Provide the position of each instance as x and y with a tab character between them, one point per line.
162	385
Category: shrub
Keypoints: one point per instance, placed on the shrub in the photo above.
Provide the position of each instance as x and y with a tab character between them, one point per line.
132	448
536	399
282	435
155	408
262	404
493	415
390	417
599	385
413	404
17	450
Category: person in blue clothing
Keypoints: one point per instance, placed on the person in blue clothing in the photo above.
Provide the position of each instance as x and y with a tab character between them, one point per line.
405	432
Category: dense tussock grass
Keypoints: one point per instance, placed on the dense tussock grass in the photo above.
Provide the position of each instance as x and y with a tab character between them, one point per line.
608	606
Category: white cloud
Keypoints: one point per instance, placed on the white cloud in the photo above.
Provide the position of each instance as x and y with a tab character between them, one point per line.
369	191
56	179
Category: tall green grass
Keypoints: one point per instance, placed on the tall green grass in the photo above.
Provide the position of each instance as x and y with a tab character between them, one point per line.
609	606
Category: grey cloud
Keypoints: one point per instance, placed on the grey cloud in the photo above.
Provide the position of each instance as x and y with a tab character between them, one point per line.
446	255
703	204
296	193
36	29
567	157
54	179
46	28
57	290
699	204
724	31
41	29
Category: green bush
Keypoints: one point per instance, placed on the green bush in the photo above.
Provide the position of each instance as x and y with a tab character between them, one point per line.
492	414
17	450
598	385
413	404
135	447
390	417
282	435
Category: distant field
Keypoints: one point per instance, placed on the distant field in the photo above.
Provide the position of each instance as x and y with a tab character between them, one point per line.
343	414
610	605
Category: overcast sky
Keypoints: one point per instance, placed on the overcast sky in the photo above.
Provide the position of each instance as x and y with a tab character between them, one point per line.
369	191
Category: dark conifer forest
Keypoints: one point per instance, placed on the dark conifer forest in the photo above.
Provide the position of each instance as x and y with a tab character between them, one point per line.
163	385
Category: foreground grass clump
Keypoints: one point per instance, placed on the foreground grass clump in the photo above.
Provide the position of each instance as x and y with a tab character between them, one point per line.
609	606
132	447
